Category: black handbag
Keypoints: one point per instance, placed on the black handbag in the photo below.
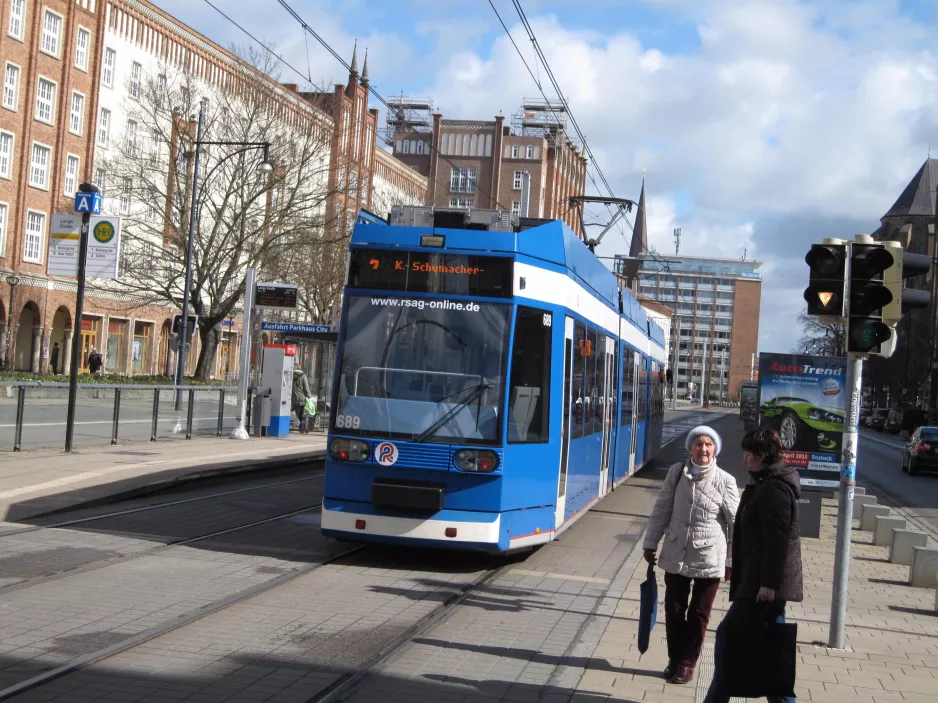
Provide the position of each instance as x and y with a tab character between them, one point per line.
760	657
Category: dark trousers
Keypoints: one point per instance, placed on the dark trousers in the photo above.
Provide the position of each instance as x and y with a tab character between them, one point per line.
686	623
743	610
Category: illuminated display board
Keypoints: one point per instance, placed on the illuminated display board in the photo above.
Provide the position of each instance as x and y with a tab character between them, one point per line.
431	272
276	295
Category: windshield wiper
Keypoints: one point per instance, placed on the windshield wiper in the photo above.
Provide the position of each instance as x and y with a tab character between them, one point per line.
475	392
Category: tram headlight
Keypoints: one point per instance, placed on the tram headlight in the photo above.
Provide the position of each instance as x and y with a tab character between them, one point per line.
349	450
480	461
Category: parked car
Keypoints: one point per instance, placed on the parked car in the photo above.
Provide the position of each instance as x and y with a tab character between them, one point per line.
864	415
893	423
921	451
878	418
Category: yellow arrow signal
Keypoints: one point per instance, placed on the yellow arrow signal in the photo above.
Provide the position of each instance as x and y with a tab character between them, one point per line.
825	297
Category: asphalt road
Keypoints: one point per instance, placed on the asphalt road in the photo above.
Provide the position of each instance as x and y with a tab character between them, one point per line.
879	459
44	420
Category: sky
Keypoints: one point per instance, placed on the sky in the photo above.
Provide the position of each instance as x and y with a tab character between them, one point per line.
760	127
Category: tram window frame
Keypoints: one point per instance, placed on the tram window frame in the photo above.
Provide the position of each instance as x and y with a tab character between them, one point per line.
579	341
628	379
590	394
567	419
642	388
527	347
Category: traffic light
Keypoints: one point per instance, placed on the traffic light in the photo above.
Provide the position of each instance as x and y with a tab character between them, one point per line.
866	330
905	265
825	292
191	326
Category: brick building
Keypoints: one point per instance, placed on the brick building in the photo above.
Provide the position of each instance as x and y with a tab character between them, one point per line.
68	67
478	163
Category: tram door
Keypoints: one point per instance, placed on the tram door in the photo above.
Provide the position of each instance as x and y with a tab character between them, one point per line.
635	359
565	432
605	398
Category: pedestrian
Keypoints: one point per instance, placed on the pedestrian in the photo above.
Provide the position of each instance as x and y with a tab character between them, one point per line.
301	391
694	512
54	359
94	361
767	571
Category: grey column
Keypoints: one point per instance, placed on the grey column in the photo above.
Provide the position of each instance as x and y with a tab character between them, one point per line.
66	353
36	361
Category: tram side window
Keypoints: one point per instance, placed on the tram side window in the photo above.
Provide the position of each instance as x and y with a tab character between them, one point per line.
628	378
579	379
529	403
595	363
642	400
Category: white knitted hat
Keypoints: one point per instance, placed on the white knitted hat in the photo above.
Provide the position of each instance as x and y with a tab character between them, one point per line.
710	432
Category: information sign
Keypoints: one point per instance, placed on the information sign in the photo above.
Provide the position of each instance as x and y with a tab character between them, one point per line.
276	295
295	328
64	236
89	203
104	237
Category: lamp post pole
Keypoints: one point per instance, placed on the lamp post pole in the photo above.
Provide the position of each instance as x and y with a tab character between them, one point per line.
184	323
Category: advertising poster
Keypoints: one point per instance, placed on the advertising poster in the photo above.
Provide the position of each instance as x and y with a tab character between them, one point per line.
804	399
749	404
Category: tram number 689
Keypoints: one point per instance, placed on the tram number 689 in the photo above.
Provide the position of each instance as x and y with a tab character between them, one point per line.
548	319
351	422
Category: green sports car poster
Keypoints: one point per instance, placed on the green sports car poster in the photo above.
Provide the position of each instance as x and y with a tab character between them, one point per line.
804	399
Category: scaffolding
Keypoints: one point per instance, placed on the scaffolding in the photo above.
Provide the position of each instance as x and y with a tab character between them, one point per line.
408	115
541	118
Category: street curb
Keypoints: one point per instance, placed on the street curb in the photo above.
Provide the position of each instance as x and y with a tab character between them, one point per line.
177	477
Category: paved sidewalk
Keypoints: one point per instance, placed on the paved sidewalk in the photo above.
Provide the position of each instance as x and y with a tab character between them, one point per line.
891	638
32	483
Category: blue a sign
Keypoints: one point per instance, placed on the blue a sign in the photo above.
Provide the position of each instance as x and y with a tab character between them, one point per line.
292	327
88	203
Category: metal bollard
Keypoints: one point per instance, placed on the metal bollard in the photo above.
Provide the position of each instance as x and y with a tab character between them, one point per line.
156	413
189	414
20	410
117	414
221	412
249	409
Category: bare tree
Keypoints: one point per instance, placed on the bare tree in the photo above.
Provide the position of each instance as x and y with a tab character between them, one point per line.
821	338
244	217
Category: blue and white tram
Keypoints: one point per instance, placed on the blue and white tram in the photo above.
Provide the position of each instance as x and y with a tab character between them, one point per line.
490	387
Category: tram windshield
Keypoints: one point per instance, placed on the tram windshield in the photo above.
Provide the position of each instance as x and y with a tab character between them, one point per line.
421	369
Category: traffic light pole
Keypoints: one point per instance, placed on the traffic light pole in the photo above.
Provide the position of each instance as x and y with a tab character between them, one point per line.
848	483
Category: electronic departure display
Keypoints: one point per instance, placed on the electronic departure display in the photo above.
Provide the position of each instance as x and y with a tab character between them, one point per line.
431	272
275	295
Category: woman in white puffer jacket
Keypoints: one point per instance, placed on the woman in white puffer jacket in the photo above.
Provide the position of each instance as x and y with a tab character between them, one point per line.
694	512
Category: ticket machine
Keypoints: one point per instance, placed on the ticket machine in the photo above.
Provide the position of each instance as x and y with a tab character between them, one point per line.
277	377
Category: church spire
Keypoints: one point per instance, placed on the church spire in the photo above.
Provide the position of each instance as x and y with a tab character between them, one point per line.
354	70
640	231
365	68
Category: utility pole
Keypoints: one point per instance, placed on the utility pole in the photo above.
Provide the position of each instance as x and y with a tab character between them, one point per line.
244	370
677	358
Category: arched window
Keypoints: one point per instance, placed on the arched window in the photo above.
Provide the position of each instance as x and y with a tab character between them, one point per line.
419	147
406	146
514	151
530	152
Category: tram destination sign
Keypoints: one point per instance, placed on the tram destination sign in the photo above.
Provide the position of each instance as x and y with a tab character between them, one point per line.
276	295
431	272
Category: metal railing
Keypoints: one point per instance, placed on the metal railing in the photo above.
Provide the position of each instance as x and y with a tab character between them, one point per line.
118	390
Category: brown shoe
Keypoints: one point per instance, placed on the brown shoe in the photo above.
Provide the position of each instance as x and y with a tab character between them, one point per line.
684	675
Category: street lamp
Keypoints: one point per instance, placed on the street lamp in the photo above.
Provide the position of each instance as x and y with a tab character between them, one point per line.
13	281
264	167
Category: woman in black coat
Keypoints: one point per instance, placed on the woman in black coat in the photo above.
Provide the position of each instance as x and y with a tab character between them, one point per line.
767	571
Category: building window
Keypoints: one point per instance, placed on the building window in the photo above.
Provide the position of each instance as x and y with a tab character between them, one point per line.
35	230
419	147
529	404
71	175
39	166
519	179
11	86
130	137
406	146
463	180
77	116
6	154
82	47
160	90
136	70
126	189
462	202
516	207
529	153
3	228
514	151
107	70
155	148
17	13
51	33
99	179
104	127
45	100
